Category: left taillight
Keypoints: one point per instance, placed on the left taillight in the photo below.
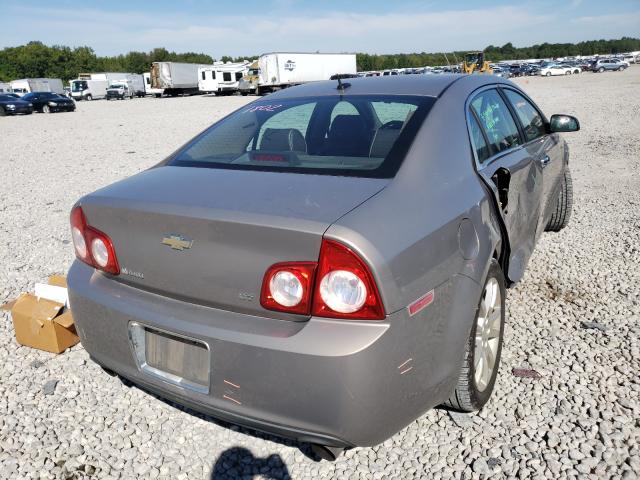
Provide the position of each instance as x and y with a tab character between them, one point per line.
287	287
92	246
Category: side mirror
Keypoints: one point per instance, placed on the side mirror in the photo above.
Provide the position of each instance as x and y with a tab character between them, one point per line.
563	123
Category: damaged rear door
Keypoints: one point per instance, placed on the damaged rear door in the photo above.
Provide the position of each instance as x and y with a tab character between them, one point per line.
511	170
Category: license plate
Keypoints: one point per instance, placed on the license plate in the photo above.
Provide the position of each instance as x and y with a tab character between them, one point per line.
173	358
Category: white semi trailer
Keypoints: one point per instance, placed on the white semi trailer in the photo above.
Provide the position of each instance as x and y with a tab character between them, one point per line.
175	78
221	78
28	85
93	86
280	70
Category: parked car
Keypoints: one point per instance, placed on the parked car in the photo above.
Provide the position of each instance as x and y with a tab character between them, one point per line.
501	72
12	105
554	69
573	69
346	242
49	102
609	64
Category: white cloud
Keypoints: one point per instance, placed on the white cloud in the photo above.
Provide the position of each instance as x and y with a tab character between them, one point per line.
420	30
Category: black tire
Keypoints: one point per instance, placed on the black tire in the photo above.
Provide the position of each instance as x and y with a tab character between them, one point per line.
564	205
88	98
2	112
46	109
467	396
601	69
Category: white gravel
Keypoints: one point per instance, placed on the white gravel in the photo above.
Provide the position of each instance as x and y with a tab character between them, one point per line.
63	417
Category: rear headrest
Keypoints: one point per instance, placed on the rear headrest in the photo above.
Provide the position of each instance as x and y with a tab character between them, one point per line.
283	139
383	141
346	125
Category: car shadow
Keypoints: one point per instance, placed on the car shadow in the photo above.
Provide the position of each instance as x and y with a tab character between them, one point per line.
238	462
304	447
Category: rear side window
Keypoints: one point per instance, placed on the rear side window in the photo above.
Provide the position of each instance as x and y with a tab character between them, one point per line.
496	120
529	116
479	143
357	135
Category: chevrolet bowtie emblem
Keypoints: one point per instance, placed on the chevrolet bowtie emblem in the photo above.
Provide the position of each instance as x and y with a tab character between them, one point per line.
177	242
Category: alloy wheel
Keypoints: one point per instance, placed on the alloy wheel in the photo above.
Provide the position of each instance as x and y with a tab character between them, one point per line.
487	341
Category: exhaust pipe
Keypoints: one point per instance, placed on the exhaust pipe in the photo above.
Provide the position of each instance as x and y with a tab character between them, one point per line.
325	452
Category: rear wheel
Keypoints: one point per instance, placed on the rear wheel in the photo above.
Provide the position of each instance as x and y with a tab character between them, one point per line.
564	205
482	353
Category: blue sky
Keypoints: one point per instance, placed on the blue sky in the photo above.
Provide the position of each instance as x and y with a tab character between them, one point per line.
252	26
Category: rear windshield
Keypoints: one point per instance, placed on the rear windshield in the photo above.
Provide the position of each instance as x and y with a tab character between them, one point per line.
365	136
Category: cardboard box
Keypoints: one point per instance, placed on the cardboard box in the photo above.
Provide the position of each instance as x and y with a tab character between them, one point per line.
42	323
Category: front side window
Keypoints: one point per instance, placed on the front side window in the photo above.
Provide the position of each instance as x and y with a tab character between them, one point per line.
359	135
530	118
496	120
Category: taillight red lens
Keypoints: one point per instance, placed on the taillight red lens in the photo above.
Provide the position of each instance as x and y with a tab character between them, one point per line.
340	285
92	246
344	286
287	287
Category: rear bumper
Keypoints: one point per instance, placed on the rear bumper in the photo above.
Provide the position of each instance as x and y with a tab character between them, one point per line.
325	381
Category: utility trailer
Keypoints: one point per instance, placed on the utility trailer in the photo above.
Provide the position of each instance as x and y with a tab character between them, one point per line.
282	70
221	78
28	85
175	78
149	90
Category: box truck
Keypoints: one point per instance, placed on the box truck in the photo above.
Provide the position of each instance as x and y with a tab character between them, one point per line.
28	85
280	70
221	78
93	86
176	78
156	92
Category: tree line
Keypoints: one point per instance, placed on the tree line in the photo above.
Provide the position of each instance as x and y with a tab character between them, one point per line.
368	62
36	59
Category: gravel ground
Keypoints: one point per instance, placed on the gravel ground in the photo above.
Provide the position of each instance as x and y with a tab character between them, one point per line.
579	419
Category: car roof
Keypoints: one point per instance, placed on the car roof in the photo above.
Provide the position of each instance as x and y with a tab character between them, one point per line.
420	85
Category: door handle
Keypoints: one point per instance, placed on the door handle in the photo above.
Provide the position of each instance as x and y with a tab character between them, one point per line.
544	161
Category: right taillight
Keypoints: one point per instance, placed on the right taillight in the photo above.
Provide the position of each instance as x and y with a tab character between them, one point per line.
92	246
344	286
340	285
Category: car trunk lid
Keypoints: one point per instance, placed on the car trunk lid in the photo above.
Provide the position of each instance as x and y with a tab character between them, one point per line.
207	236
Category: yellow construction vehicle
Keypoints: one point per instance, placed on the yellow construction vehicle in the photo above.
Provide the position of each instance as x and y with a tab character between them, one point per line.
475	63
